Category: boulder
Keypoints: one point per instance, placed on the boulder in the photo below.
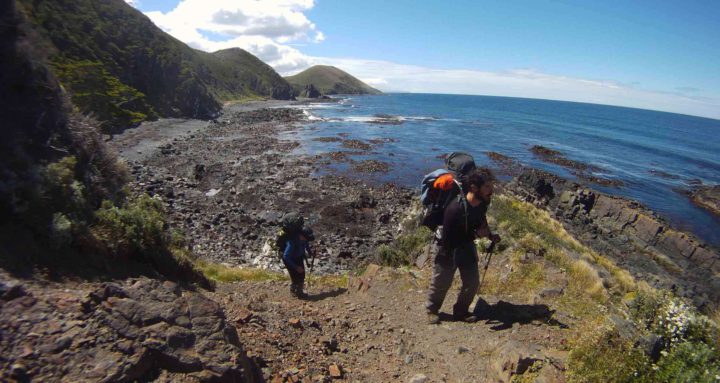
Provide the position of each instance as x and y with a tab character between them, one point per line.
513	358
309	91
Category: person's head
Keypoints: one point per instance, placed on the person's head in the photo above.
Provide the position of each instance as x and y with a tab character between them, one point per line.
480	182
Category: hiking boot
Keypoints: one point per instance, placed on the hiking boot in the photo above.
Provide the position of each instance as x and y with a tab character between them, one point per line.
467	318
433	318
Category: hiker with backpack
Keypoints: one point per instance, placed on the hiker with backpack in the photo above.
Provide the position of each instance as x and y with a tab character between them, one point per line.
293	245
463	220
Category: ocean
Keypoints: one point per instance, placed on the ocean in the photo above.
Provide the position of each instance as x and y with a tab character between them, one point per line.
655	155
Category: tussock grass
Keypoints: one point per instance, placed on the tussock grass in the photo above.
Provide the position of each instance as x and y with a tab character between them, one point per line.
584	277
666	263
222	273
533	230
600	354
333	280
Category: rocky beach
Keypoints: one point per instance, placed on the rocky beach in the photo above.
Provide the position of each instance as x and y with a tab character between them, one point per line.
227	184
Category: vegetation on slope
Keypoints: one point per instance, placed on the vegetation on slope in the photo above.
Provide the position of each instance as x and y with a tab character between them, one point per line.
329	80
123	69
625	331
63	201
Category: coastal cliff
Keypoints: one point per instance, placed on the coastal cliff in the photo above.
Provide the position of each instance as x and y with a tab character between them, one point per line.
119	66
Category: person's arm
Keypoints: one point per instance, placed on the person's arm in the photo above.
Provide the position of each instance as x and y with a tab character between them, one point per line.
484	231
287	255
307	253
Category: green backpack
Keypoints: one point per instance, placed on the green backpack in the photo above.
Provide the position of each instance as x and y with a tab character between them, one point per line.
291	224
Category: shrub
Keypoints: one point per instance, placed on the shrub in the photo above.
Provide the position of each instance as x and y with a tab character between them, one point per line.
62	190
138	232
405	248
95	90
688	362
602	355
136	228
585	278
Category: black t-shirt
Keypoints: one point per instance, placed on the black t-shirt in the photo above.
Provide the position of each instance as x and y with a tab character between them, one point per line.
455	232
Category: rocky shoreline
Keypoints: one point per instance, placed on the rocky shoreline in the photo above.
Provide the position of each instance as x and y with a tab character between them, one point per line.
634	236
226	187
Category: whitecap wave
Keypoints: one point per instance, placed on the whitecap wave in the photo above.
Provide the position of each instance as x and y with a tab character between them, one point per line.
311	117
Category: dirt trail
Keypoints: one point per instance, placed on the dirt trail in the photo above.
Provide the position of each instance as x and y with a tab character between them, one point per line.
376	331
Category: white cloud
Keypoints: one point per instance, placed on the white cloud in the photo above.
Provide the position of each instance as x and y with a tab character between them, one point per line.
261	27
267	28
133	3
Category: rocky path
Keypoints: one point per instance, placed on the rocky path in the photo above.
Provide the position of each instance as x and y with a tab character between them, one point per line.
375	330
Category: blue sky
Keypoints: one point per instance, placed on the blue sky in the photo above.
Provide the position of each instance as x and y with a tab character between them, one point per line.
657	55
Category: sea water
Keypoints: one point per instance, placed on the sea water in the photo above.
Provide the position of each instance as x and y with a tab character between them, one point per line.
656	155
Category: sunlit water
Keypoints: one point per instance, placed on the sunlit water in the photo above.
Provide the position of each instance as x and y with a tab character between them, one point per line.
631	145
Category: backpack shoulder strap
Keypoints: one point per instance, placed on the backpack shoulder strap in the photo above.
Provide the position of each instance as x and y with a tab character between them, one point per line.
463	201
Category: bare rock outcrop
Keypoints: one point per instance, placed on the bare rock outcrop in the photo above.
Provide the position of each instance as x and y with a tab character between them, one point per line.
139	329
635	236
707	197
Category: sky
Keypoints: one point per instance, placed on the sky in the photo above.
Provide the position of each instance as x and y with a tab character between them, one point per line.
660	55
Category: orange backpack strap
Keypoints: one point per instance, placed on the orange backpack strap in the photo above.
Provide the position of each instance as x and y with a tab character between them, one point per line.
444	182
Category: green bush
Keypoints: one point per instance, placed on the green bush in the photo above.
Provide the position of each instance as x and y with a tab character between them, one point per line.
95	90
139	232
690	339
688	362
405	248
61	188
136	228
604	356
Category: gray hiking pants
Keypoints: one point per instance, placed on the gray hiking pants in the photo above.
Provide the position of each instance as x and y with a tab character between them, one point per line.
463	258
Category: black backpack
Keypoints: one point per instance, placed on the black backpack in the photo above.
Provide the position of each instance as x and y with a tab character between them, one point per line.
435	200
291	224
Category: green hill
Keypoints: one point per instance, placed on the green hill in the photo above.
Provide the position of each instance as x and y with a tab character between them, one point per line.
120	67
329	80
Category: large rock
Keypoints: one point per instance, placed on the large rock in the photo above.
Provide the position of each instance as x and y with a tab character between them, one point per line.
309	91
513	358
707	197
125	331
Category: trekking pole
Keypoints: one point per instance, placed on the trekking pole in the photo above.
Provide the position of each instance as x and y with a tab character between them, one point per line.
488	257
310	264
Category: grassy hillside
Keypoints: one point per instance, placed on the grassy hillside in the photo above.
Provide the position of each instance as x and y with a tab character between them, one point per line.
120	67
244	74
329	80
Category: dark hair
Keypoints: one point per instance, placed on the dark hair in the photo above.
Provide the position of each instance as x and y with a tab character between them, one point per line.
478	177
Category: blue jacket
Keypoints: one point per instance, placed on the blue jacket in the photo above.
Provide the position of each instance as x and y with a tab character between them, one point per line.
295	252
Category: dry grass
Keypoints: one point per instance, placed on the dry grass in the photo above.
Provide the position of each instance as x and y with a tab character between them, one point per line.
222	273
666	263
523	281
585	278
